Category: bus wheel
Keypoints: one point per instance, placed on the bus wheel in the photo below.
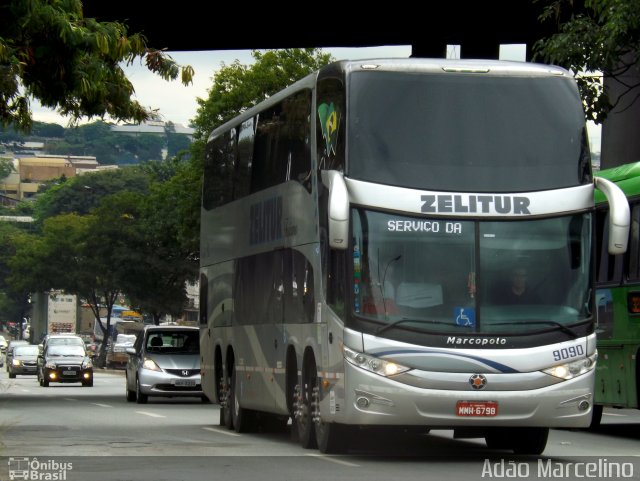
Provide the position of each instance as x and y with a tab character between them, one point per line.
243	420
529	440
303	409
332	438
225	399
596	416
497	438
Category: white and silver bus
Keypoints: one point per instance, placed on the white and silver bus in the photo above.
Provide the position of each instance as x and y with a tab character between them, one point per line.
404	243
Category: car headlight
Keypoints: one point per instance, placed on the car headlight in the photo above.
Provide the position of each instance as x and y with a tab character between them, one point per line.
16	362
573	369
50	365
373	364
86	364
151	365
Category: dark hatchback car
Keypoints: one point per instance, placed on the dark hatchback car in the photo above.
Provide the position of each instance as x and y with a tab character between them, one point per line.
23	361
65	363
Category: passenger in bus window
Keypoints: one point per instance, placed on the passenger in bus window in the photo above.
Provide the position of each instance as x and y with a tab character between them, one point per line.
518	290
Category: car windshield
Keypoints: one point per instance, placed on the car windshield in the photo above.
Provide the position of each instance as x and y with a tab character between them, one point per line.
181	342
25	351
75	341
66	350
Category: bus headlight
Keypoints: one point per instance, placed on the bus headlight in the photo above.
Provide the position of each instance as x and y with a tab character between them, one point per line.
373	364
573	369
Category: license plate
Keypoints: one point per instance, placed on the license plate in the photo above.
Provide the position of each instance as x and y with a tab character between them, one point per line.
185	382
476	408
69	373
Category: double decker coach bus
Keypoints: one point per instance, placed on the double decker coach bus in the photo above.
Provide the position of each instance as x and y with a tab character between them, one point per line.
618	302
404	243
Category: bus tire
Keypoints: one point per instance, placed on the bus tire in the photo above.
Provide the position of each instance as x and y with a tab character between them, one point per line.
304	420
331	438
225	410
529	440
596	416
243	420
497	438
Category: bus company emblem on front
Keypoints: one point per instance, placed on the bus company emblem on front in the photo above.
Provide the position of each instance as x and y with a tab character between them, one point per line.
478	381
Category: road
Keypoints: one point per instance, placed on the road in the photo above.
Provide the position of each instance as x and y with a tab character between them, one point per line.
104	437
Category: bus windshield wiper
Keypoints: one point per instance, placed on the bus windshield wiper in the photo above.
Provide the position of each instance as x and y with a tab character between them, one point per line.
407	319
559	325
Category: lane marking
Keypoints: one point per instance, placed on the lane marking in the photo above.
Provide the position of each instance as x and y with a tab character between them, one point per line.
153	415
70	399
333	460
613	414
221	431
102	405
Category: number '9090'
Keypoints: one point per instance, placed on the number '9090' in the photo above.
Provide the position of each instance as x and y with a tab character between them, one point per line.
568	353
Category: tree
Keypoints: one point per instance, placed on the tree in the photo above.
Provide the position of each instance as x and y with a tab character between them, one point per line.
49	51
83	193
14	301
237	87
601	36
6	167
73	254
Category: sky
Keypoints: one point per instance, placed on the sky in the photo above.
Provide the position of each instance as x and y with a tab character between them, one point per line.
177	103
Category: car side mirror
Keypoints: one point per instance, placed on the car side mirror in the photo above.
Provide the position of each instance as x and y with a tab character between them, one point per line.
131	351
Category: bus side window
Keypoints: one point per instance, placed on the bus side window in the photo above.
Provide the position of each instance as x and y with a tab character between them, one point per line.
246	139
282	144
330	120
609	268
633	252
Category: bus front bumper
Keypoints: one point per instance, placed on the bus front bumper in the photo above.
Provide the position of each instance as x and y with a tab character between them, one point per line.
370	399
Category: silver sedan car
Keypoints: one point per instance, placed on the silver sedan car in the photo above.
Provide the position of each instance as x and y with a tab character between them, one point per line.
164	361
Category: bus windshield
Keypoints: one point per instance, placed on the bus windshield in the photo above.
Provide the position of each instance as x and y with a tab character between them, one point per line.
506	134
470	277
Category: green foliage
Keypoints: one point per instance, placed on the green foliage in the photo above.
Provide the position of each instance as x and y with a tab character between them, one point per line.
83	193
71	63
604	37
136	230
6	167
109	147
237	87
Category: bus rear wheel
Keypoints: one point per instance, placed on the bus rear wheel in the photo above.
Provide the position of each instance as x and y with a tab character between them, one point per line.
225	408
303	408
243	419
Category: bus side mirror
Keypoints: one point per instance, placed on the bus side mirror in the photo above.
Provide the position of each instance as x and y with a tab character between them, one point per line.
338	209
619	216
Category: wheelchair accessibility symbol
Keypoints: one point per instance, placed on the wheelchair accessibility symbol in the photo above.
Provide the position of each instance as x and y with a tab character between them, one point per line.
465	317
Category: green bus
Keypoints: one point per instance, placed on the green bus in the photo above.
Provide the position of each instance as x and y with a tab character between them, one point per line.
618	302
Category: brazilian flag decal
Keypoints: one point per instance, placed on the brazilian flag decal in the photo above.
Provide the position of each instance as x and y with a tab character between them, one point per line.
329	123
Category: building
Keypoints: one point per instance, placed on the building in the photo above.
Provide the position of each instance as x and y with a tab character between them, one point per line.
152	127
30	171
